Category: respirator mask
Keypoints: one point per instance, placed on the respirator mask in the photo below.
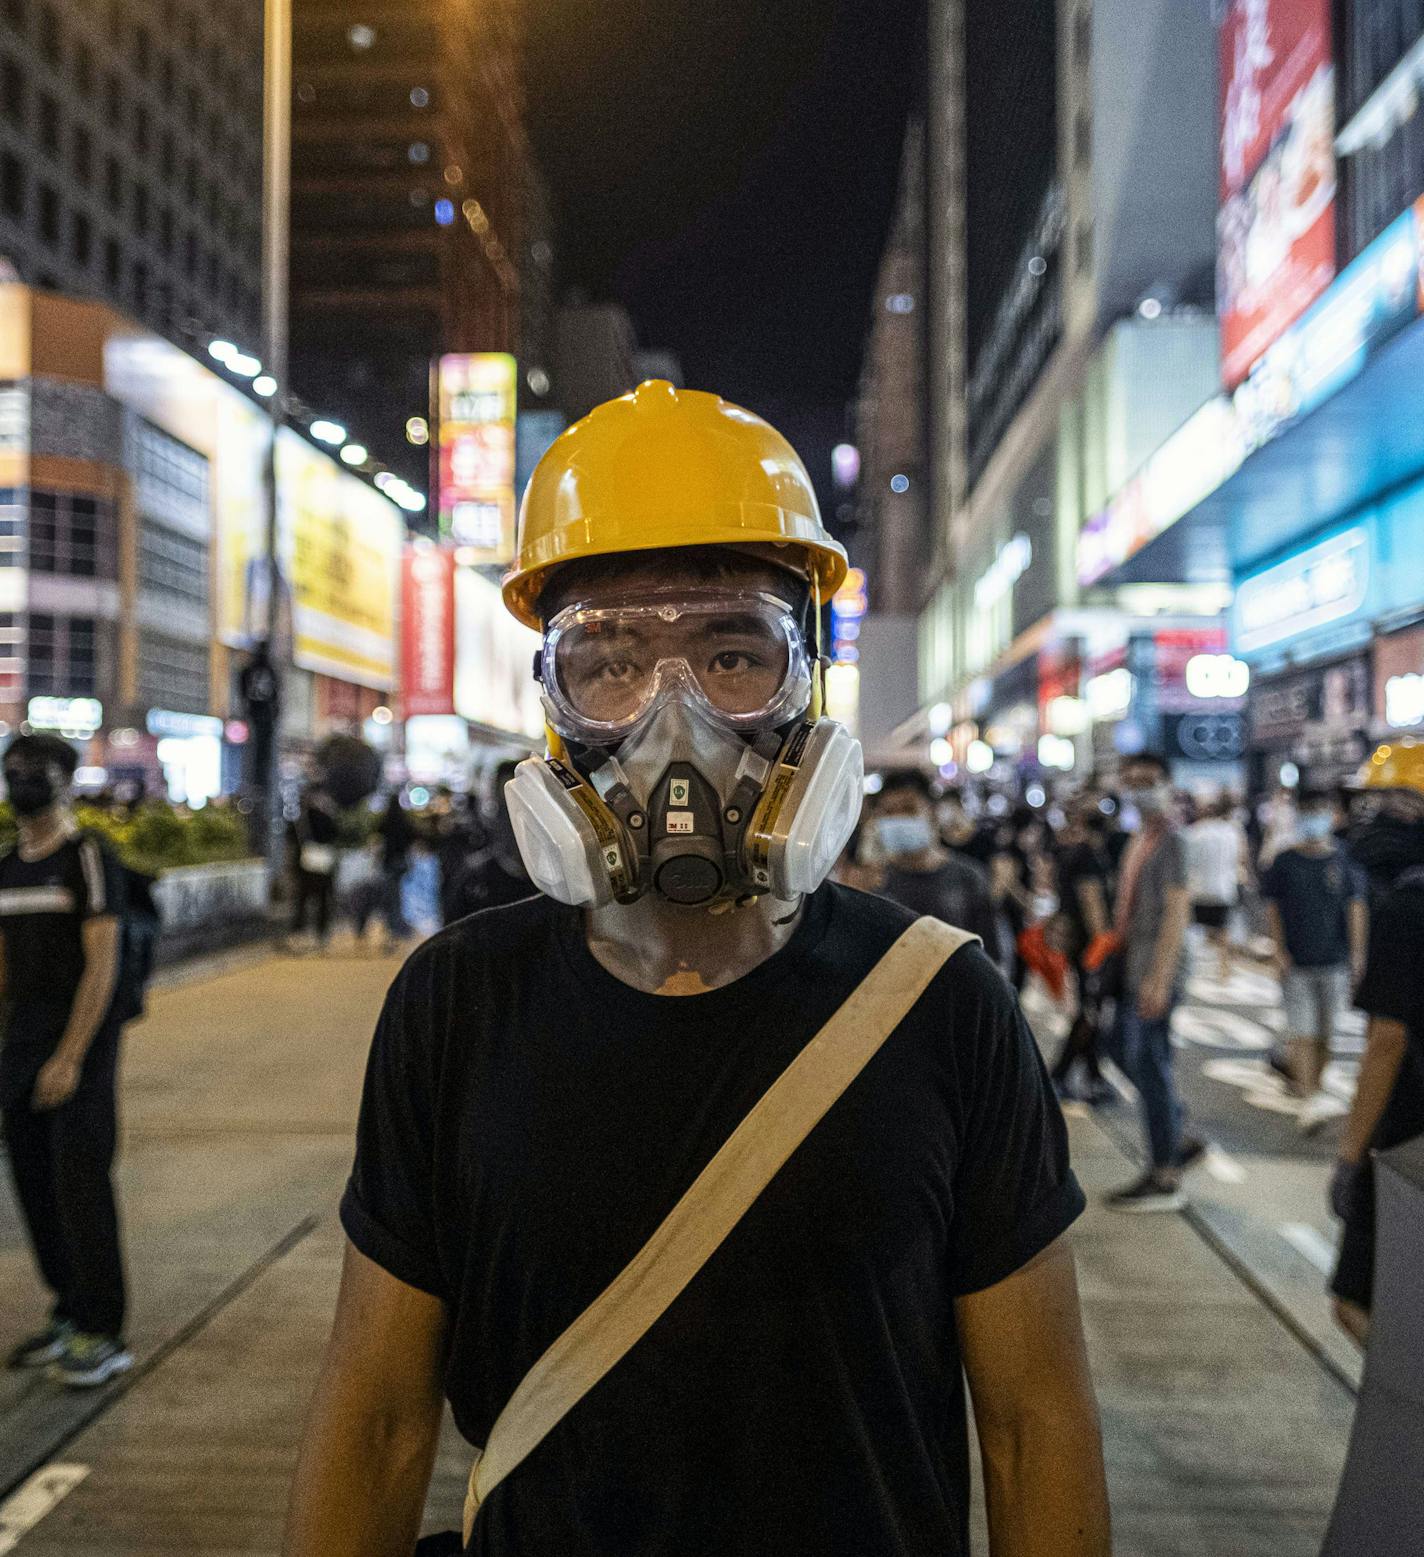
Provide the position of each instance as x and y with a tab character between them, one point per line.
687	755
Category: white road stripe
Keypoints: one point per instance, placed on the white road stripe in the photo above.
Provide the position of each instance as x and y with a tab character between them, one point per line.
1224	1167
1310	1242
40	1495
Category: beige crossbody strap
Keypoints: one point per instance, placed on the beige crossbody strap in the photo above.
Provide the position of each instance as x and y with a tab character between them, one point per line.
608	1329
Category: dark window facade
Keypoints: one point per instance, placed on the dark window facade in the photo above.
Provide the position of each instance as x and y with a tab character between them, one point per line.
63	656
71	535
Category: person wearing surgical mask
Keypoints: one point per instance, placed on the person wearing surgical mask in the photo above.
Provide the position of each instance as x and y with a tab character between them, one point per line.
1152	912
919	873
1316	907
61	906
550	1078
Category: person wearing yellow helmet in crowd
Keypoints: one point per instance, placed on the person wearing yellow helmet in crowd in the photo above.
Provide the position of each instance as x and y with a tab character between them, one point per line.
1386	839
549	1078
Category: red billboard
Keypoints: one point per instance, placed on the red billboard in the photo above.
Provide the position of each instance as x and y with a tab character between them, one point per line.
477	403
427	631
1276	226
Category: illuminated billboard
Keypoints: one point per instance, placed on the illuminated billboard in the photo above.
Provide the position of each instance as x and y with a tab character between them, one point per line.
339	551
477	397
494	661
1276	226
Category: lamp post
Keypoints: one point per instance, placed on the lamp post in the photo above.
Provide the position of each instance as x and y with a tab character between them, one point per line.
264	712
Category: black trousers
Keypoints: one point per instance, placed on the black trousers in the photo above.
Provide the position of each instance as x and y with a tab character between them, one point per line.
315	889
61	1161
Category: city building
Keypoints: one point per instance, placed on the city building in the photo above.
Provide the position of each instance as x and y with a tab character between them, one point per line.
887	467
418	221
133	566
131	158
1070	269
1298	485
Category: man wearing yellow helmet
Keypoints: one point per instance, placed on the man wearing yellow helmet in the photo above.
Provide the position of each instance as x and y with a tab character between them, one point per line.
1387	839
555	1083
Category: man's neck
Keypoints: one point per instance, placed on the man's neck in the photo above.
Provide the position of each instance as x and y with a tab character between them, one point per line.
662	949
41	835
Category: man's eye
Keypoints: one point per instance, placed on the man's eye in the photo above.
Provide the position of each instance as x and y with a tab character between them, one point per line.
730	661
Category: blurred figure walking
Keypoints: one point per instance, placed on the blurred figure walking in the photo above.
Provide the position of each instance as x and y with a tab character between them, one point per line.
1218	866
312	840
1315	905
1153	907
397	837
1081	875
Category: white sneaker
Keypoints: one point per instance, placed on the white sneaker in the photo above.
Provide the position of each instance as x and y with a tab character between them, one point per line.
1317	1109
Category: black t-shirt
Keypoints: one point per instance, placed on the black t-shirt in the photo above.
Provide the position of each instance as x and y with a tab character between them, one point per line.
528	1122
1076	867
1393	987
43	906
956	891
1313	893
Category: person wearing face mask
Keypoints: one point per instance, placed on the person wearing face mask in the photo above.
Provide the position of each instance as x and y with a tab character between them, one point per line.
561	1092
1152	912
495	875
1315	905
61	905
919	873
1386	840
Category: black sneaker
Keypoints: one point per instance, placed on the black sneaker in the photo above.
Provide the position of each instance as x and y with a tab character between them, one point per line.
87	1361
1149	1193
42	1349
1191	1151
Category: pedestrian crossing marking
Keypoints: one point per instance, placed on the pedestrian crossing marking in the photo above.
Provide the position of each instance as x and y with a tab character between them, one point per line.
35	1499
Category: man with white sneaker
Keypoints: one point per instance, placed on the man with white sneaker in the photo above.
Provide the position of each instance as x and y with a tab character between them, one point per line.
1315	901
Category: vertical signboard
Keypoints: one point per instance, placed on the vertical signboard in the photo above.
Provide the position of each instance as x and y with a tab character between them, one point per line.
477	405
1276	227
427	630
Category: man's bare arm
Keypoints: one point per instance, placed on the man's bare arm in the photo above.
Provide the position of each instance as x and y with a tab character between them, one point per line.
58	1079
1037	1416
375	1422
1156	992
1385	1046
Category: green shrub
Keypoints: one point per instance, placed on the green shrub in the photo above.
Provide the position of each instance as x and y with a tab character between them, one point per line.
156	837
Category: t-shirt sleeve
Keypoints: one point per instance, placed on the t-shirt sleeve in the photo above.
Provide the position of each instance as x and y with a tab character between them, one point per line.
99	889
1272	884
1393	985
1014	1191
388	1208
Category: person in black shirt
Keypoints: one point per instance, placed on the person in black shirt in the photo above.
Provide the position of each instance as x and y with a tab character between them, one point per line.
61	903
1387	840
549	1078
496	875
311	841
1081	875
919	874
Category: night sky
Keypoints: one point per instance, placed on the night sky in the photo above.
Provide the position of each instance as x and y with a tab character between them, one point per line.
728	171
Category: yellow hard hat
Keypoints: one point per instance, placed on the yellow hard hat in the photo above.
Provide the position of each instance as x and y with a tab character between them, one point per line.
666	467
1396	765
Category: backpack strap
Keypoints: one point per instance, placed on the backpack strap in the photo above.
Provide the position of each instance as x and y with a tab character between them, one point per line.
722	1193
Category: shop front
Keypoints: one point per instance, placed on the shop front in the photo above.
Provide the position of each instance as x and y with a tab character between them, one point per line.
1331	631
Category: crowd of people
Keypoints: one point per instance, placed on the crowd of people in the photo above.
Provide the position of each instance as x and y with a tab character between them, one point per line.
421	866
1096	895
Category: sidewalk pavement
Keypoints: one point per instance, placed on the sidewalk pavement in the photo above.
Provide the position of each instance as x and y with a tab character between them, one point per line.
1224	1434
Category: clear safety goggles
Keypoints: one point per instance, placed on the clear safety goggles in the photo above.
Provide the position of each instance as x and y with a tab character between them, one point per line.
740	656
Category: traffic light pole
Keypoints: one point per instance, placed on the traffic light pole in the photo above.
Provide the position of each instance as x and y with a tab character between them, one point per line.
276	249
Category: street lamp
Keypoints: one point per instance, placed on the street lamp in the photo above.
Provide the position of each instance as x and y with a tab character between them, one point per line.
276	247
